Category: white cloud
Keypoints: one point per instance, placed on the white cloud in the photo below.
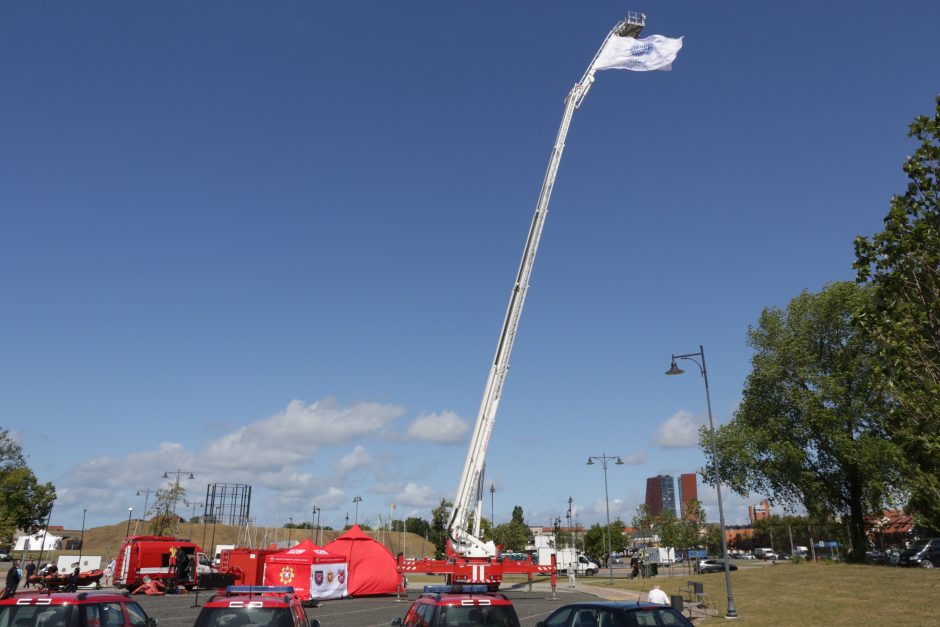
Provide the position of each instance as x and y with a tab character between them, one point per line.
678	431
293	435
413	495
445	427
357	458
636	457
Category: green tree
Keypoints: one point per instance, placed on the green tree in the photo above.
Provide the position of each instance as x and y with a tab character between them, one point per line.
163	516
26	502
902	263
810	429
437	534
417	526
595	540
517	516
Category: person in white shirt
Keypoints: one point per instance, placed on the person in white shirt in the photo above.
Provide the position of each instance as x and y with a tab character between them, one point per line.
657	596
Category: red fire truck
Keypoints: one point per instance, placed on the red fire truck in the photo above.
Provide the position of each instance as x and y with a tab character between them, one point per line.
163	558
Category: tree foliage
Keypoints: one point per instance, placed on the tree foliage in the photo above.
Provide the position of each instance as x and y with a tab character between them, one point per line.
514	535
810	430
902	264
26	502
595	540
163	516
437	534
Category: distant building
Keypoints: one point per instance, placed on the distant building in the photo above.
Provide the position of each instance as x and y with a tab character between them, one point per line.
660	495
688	490
759	512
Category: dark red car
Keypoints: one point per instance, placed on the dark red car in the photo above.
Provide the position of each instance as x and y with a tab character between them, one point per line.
470	605
73	609
259	606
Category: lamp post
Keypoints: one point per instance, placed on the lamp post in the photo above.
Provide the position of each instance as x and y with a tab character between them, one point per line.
316	513
347	519
290	527
81	542
603	459
568	516
357	500
127	534
147	492
176	486
492	506
674	369
194	505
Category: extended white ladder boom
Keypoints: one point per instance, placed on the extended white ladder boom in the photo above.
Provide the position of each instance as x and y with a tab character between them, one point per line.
468	499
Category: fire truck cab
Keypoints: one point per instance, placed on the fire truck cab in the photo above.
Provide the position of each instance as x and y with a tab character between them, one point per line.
170	560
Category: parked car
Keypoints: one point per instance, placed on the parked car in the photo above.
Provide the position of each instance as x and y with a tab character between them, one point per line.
440	606
6	557
924	553
272	606
614	613
73	609
714	566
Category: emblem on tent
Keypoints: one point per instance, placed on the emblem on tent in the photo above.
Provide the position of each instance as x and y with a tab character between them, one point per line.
318	577
329	576
287	575
341	575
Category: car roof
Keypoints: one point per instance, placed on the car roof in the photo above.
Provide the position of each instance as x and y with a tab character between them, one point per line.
63	598
620	605
243	601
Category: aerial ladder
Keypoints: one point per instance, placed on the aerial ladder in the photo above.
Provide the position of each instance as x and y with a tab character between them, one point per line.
470	559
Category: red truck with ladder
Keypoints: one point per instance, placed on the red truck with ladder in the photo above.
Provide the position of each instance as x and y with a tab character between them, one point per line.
470	559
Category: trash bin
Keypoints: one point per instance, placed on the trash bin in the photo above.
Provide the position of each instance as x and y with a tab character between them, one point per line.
677	602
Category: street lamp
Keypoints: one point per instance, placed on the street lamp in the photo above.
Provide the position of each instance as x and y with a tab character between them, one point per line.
603	459
674	369
127	534
176	489
492	506
316	518
568	516
147	492
290	527
357	500
194	505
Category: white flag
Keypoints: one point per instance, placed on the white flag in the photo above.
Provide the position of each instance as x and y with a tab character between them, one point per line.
641	55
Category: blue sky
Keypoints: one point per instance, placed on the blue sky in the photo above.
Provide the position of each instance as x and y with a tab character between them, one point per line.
272	243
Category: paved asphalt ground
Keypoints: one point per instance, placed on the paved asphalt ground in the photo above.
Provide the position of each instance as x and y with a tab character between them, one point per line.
179	610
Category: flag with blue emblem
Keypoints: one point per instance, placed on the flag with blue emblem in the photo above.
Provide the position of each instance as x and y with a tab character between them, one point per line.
640	55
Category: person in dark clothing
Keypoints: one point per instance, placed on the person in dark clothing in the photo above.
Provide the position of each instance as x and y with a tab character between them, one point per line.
72	584
13	580
28	572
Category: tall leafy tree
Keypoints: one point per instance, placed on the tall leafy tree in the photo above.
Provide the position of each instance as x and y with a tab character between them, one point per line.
810	430
595	540
514	535
902	263
164	518
437	534
25	502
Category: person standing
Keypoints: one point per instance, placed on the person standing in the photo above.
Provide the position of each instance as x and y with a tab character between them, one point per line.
28	572
13	580
109	572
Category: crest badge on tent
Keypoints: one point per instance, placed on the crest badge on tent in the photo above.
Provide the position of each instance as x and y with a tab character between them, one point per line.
287	575
318	577
329	576
341	575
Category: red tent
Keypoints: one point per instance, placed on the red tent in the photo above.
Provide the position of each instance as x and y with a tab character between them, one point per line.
372	567
314	572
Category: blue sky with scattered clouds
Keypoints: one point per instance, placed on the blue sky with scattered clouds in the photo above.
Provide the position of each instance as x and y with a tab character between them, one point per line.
273	243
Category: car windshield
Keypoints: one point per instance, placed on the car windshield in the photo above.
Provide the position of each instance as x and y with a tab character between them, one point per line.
476	615
917	546
657	616
241	617
35	615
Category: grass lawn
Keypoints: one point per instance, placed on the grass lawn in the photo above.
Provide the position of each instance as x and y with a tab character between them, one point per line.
823	594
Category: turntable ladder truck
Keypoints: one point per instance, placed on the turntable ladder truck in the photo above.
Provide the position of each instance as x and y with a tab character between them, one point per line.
469	558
